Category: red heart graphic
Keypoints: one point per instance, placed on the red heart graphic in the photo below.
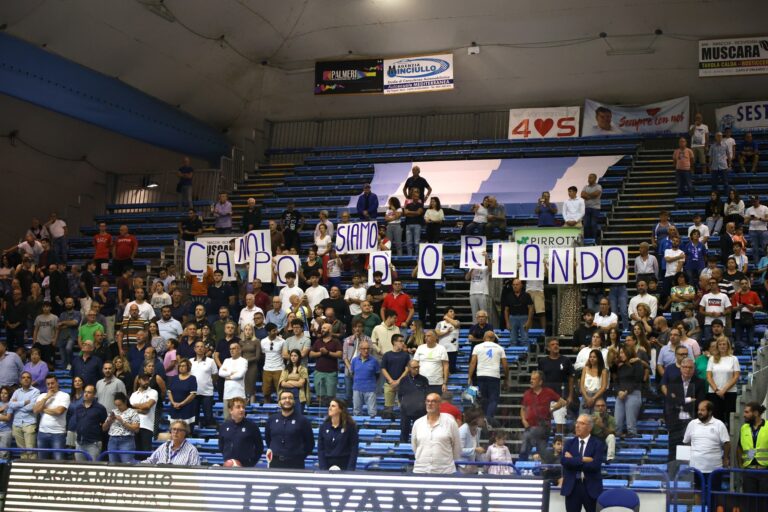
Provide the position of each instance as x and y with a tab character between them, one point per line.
543	125
652	111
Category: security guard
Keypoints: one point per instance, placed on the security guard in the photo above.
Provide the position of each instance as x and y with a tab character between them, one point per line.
239	438
289	435
753	449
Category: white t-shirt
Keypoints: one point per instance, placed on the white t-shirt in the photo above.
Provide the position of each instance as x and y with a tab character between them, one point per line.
450	340
761	212
706	440
50	424
391	212
478	281
583	356
315	294
699	136
481	215
285	296
273	354
323	245
246	316
671	269
703	230
431	363
714	303
204	371
605	321
146	311
723	371
534	285
489	356
146	419
359	293
236	370
730	143
56	228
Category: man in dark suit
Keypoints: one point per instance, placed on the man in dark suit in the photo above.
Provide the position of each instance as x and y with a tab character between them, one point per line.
726	241
582	462
684	393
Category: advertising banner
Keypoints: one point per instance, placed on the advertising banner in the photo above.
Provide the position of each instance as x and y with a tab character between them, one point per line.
349	77
671	116
541	123
743	116
548	237
418	74
724	57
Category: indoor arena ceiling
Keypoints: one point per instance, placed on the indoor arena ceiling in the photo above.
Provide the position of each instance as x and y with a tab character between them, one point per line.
234	62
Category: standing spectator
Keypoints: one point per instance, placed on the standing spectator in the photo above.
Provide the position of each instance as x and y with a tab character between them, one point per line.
710	443
414	219
734	208
436	442
246	314
749	152
24	418
184	186
394	366
752	450
745	303
758	227
416	182
355	295
642	297
251	352
604	427
573	209
558	374
365	373
684	163
469	433
11	366
477	331
220	295
204	370
376	293
605	319
683	395
350	350
591	194
222	212
536	414
89	418
702	228
324	243
295	378
433	361
412	393
479	295
323	217
695	256
233	371
582	461
102	249
52	408
714	305
124	251
327	352
518	311
337	439
594	381
545	211
447	331
177	450
487	358
629	400
723	372
182	393
674	259
290	288
191	227
292	222
108	387
299	341
434	218
251	217
289	435
719	162
144	401
121	426
399	302
57	228
38	369
699	133
240	438
367	204
15	313
394	224
87	366
272	348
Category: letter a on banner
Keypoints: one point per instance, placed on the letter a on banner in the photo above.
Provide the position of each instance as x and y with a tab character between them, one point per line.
195	258
561	265
430	261
504	260
531	259
615	268
588	268
472	248
381	261
283	264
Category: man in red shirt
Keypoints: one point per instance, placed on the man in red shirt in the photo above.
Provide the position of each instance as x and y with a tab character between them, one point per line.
447	407
536	414
102	248
400	303
123	251
745	303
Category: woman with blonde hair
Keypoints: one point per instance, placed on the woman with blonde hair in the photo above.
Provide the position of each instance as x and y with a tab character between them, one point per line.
252	353
417	336
722	375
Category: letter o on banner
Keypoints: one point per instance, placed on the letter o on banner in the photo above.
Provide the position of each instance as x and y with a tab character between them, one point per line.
430	261
615	264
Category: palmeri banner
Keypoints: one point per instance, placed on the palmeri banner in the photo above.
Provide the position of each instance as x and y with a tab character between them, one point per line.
349	77
723	57
540	123
669	116
743	116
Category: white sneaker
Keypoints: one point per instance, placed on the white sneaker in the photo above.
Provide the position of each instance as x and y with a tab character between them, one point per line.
69	367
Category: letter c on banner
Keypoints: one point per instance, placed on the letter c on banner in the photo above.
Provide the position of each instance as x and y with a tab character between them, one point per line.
188	257
437	260
608	267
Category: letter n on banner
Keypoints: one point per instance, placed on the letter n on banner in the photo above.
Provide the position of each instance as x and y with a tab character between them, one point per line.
430	261
381	261
615	267
258	240
472	249
285	263
531	260
195	258
561	265
504	263
588	267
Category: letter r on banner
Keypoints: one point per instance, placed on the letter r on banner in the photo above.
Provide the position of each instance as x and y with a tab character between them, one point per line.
380	260
430	261
615	263
472	248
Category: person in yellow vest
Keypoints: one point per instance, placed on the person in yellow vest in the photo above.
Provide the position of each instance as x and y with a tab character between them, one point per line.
752	452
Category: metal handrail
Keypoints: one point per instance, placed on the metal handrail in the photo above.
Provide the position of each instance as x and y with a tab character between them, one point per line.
105	455
47	450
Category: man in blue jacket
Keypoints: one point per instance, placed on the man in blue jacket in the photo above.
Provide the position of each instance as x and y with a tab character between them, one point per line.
289	435
367	204
239	438
582	461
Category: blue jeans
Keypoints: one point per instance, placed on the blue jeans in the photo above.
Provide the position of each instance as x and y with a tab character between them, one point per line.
92	449
591	222
395	235
367	397
684	183
65	350
489	391
720	175
185	195
517	331
412	238
55	441
617	296
627	411
758	239
123	444
59	246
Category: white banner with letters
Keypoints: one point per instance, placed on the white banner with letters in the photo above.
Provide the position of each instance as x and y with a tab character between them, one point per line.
743	116
670	116
258	240
430	261
380	261
531	260
418	74
615	263
285	263
504	262
561	265
544	123
588	266
472	252
219	255
357	238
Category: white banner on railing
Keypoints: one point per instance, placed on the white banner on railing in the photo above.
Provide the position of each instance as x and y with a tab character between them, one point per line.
670	116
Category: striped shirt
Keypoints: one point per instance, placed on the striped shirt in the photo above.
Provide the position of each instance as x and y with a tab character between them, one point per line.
186	455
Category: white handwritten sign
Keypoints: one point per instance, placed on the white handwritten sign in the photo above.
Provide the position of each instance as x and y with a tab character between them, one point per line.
504	260
430	261
380	261
561	269
588	266
195	258
285	263
615	267
258	240
357	238
531	259
472	249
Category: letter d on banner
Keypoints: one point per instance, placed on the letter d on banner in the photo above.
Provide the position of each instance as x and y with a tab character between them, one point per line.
380	260
504	260
430	261
588	265
195	258
615	268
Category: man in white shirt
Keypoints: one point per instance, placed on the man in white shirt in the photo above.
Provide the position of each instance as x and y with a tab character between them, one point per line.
57	228
758	230
146	311
290	288
144	400
573	208
714	304
699	140
447	331
233	371
486	359
605	319
435	440
701	227
272	348
315	292
52	408
205	371
433	359
246	314
355	295
675	258
709	440
642	297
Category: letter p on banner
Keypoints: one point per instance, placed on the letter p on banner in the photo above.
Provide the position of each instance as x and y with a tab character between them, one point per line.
430	261
615	267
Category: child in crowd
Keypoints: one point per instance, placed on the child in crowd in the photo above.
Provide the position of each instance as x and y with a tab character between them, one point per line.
498	452
691	323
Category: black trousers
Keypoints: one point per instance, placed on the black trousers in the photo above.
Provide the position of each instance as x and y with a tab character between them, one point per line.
143	442
286	463
676	428
406	424
580	498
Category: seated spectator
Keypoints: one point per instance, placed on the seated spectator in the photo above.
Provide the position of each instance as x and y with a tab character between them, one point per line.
497	220
604	427
337	439
178	450
52	407
749	153
605	319
552	458
240	438
434	218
